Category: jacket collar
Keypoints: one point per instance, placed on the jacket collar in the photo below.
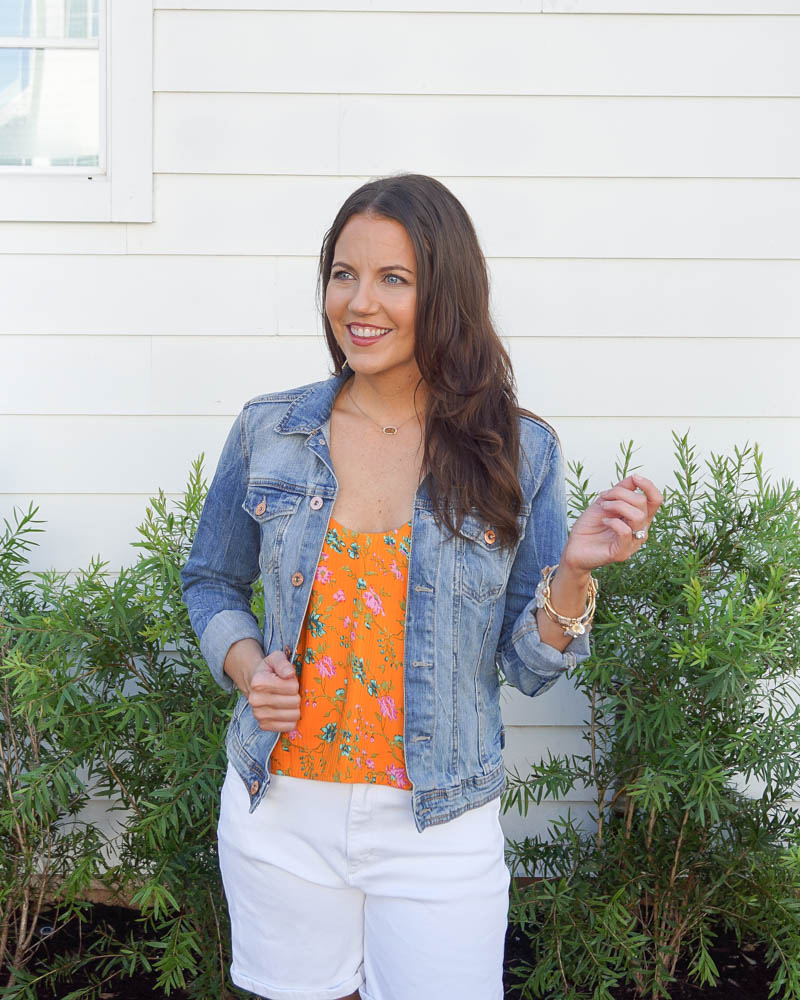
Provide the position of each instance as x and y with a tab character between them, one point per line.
312	408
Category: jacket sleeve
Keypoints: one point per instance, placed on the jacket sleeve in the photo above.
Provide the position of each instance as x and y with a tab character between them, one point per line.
528	663
223	563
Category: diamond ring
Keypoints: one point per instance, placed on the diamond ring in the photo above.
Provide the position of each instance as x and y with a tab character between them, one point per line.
640	534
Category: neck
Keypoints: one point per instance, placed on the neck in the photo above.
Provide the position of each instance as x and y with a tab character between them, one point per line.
390	400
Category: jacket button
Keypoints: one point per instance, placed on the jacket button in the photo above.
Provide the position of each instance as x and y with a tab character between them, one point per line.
287	652
254	787
489	536
297	579
261	508
316	503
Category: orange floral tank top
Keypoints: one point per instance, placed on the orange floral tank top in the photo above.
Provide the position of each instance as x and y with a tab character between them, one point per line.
351	663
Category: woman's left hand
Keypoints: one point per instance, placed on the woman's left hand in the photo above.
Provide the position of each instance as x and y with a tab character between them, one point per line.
604	531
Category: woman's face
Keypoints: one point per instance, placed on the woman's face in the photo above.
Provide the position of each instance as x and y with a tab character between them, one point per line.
370	299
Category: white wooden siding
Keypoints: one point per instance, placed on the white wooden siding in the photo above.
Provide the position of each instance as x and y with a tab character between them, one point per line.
520	217
136	375
515	217
632	169
518	136
503	6
668	6
206	295
413	53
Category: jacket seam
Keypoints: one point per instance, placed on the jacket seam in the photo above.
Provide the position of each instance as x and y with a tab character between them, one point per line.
244	447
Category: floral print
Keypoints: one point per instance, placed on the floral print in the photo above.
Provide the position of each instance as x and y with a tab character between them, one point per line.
372	601
350	663
387	706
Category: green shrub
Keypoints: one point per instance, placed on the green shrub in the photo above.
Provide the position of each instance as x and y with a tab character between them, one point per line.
104	688
691	692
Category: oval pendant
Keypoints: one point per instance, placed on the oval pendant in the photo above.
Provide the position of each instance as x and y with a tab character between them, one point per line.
390	430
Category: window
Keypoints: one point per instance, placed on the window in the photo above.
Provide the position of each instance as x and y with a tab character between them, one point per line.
76	110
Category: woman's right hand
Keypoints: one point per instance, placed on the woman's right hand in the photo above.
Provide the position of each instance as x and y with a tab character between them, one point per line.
274	694
269	683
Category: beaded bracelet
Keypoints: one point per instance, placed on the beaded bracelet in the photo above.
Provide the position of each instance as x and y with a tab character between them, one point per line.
571	626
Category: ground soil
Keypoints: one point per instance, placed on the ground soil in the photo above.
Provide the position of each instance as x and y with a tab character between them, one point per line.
72	938
743	973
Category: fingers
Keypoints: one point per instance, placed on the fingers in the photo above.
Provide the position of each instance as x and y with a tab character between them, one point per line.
275	723
634	516
265	680
631	496
278	713
277	661
618	527
626	503
652	494
625	510
275	697
640	493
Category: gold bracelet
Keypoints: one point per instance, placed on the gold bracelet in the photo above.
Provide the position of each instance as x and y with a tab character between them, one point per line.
571	626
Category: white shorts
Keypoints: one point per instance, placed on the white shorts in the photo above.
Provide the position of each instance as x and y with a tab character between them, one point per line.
331	888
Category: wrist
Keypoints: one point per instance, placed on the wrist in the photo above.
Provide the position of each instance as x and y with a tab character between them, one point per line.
243	660
572	577
568	598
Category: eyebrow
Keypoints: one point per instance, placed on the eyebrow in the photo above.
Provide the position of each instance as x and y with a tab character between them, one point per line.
389	267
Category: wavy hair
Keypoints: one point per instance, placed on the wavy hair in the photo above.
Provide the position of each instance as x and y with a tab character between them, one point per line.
472	418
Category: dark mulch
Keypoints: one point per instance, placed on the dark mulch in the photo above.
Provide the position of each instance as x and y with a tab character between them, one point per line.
743	973
73	938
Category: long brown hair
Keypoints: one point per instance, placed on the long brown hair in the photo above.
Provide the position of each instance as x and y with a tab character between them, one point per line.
472	418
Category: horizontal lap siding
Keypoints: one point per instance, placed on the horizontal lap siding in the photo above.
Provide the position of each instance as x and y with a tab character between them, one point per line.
77	527
665	6
450	136
367	6
193	295
258	51
515	217
136	375
632	169
502	6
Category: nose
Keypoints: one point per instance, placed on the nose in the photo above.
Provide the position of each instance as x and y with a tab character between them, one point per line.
362	300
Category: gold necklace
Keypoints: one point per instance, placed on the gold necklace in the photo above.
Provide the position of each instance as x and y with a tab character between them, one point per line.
389	428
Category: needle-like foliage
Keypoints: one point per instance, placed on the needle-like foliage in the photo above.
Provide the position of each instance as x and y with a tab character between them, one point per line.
693	750
103	692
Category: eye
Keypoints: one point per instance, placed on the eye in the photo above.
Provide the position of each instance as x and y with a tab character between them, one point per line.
341	275
395	279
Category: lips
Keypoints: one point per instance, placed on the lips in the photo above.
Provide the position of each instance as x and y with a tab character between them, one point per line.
364	334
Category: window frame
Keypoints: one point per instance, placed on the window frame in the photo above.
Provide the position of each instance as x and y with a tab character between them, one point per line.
123	191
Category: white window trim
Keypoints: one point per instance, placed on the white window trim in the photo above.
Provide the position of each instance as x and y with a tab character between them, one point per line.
124	191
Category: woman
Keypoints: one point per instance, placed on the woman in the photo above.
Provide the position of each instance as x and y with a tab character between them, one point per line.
401	514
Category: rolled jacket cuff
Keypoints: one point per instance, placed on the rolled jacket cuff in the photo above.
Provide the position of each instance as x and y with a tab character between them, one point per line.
224	629
537	665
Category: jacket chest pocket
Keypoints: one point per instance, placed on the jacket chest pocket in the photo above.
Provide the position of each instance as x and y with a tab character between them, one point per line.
271	507
484	564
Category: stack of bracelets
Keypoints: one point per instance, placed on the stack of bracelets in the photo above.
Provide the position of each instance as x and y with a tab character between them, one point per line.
571	626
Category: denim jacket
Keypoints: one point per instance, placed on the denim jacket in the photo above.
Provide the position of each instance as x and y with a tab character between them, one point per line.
470	611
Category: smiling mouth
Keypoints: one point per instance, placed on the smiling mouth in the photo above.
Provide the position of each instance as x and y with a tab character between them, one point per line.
366	334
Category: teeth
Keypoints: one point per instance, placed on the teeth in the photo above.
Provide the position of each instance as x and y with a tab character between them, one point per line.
361	331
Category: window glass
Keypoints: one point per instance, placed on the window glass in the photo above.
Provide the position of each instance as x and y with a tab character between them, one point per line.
49	19
49	107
